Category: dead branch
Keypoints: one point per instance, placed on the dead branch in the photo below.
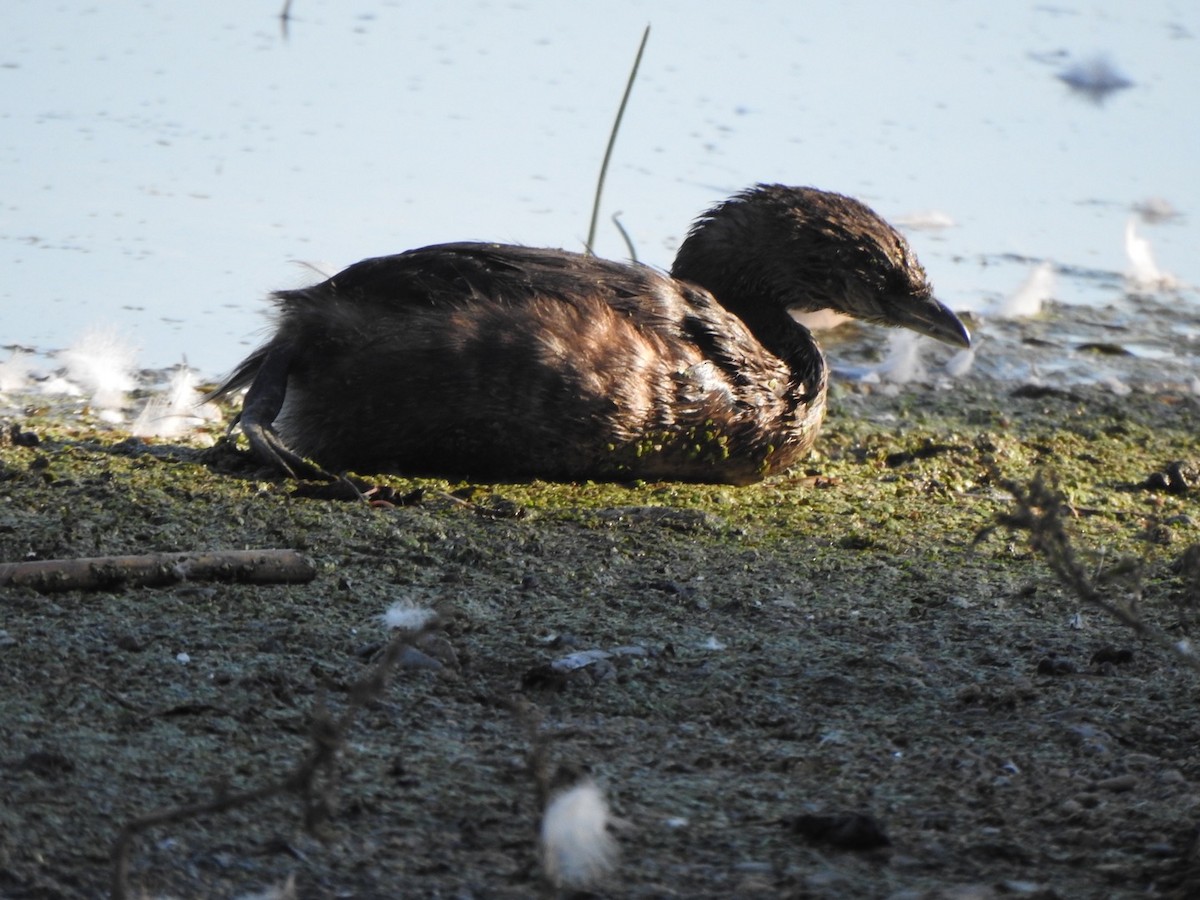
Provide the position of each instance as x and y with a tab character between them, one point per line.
156	569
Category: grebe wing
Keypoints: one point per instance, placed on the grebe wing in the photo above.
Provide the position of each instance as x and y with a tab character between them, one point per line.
460	274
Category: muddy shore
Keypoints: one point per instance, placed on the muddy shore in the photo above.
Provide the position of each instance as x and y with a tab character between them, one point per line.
845	640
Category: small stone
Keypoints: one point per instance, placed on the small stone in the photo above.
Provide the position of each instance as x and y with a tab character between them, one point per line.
129	642
439	648
1140	761
1115	655
412	658
1021	888
754	867
1070	807
21	438
848	831
1117	784
1055	665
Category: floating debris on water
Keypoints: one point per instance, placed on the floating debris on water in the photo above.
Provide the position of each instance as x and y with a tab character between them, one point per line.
903	362
926	220
102	365
177	410
97	377
1094	79
1156	210
1026	301
961	362
1143	273
16	372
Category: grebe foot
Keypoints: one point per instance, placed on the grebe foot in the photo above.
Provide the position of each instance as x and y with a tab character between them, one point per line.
267	446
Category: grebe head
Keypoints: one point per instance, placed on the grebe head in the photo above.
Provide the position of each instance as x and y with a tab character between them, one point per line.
773	248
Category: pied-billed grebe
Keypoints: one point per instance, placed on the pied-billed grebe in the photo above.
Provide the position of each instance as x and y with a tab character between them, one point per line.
499	361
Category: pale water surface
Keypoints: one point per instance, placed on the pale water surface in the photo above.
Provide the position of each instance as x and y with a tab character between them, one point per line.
165	164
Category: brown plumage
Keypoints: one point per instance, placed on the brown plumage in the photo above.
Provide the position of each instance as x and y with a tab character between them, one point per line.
499	361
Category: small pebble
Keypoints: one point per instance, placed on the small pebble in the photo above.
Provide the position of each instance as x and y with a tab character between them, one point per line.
1055	665
1139	761
1117	784
1114	655
128	642
1070	807
412	658
1021	887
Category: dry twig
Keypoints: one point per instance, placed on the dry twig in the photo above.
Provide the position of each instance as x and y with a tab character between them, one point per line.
312	779
1040	510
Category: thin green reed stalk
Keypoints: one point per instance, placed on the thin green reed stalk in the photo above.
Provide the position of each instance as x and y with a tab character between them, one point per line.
612	140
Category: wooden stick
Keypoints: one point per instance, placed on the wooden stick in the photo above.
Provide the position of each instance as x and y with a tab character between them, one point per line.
153	569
